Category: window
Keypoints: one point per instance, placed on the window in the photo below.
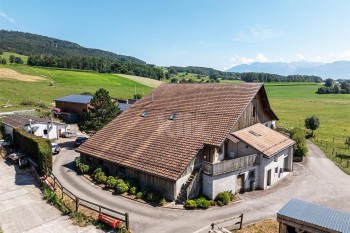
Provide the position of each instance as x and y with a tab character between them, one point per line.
45	131
253	111
251	174
275	158
276	170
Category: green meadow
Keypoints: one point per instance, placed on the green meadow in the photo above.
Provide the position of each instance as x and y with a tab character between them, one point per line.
58	83
6	55
295	101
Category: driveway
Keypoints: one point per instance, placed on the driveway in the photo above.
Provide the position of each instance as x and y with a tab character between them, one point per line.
316	180
22	208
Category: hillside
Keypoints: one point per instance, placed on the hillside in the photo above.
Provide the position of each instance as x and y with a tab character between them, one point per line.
31	44
335	70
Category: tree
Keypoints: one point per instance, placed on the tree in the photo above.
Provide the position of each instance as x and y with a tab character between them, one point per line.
299	147
102	111
312	122
344	85
12	58
18	60
3	61
329	82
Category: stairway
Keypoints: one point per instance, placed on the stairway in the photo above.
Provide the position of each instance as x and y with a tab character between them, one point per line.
182	197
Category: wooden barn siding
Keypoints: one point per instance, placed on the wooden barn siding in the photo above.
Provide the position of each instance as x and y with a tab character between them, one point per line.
261	115
163	186
71	107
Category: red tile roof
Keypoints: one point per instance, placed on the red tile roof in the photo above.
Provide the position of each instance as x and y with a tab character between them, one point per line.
267	141
163	147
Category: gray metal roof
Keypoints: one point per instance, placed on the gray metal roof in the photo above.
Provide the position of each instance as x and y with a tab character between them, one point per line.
83	99
123	106
316	214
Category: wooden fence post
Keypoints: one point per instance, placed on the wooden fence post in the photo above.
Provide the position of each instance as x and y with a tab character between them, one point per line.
240	224
127	224
76	204
62	192
99	209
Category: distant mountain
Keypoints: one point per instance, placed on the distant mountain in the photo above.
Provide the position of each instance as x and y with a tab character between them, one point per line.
31	44
335	70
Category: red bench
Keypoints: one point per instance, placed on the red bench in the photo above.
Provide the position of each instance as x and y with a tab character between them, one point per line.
108	220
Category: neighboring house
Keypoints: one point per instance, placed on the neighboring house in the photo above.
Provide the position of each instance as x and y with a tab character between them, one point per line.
186	139
124	104
301	216
73	103
38	126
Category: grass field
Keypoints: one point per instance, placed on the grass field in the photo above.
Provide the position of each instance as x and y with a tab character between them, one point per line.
293	103
6	55
64	83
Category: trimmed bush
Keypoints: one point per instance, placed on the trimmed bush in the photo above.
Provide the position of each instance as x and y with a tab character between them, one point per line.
223	198
212	203
162	202
103	179
190	204
110	183
153	197
122	187
97	170
77	162
36	148
202	203
133	190
139	195
84	168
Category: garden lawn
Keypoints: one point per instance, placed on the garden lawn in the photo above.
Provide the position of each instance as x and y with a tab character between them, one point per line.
294	102
6	55
65	82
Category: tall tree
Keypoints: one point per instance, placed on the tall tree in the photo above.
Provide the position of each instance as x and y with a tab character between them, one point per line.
12	58
102	111
312	122
329	82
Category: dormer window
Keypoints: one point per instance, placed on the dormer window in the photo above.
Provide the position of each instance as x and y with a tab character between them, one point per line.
173	116
145	113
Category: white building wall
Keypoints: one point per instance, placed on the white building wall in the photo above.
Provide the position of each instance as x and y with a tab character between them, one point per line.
52	130
274	164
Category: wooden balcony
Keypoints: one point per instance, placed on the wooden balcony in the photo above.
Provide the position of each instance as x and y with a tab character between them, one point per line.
230	165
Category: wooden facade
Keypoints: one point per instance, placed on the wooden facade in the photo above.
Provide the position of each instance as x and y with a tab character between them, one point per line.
71	107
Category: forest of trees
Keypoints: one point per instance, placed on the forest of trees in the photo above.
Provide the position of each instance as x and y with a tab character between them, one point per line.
330	87
247	77
31	44
97	64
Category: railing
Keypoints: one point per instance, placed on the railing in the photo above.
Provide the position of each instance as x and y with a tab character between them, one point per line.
230	165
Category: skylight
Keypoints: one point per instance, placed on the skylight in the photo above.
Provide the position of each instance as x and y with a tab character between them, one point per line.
145	113
173	116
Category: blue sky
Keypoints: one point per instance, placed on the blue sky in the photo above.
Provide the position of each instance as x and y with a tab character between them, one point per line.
210	33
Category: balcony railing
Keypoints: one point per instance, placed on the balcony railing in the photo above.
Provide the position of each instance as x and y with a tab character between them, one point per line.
230	165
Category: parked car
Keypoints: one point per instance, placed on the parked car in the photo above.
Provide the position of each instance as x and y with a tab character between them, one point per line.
79	141
55	148
69	134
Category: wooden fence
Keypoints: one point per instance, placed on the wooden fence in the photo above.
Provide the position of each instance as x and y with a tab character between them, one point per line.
233	227
124	217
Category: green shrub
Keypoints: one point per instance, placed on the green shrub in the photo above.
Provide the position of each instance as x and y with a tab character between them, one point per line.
223	198
54	200
103	179
153	197
232	195
133	190
202	202
145	191
190	204
77	162
84	168
212	203
97	177
122	188
97	170
219	203
162	202
139	195
110	183
36	148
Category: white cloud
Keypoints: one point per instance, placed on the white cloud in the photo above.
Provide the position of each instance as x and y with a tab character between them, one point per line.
3	15
300	57
257	32
260	57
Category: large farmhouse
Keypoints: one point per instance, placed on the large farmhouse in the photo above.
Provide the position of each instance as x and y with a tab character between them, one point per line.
188	139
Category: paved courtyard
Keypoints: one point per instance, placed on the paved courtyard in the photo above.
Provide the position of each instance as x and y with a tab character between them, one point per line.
22	208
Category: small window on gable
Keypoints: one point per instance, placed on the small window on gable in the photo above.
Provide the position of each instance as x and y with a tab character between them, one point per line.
45	131
254	111
145	113
173	116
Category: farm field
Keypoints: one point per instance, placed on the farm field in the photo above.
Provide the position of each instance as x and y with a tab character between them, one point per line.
6	55
57	83
294	102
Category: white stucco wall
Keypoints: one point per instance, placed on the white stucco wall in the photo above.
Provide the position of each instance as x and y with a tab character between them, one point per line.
277	161
53	131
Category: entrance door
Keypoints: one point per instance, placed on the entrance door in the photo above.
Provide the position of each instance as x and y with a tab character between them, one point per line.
240	183
286	165
269	177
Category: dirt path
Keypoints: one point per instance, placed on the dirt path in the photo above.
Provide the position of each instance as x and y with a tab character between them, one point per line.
145	81
12	74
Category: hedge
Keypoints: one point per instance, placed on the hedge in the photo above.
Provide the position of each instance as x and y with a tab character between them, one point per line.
36	148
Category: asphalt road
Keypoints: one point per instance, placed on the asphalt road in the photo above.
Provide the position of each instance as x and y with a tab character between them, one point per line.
316	180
